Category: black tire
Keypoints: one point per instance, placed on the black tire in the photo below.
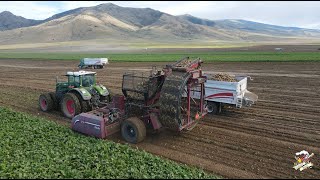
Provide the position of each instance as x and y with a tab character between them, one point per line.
54	100
105	98
70	105
133	130
45	102
213	107
84	104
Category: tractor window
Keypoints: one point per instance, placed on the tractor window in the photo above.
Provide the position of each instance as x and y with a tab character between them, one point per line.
71	80
77	81
87	80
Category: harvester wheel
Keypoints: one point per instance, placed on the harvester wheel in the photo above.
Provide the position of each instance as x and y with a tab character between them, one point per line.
45	102
133	130
213	107
54	100
70	105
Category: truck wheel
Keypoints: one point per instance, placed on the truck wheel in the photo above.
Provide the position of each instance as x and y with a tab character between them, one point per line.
133	130
45	102
213	107
70	105
54	100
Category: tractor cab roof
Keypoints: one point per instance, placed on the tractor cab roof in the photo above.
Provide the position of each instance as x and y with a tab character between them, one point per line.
79	73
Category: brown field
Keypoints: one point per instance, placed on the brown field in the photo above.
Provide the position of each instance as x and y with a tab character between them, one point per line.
256	142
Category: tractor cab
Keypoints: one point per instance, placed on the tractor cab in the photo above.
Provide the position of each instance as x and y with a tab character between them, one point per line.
80	93
81	79
77	80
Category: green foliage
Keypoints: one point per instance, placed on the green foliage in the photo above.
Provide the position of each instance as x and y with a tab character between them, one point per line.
37	148
170	57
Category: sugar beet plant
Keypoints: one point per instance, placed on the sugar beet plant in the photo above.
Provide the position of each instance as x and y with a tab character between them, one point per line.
33	147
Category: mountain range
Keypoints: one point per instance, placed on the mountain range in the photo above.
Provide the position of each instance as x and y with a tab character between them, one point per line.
111	22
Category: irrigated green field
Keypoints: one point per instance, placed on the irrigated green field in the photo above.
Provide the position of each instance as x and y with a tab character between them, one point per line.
37	148
161	57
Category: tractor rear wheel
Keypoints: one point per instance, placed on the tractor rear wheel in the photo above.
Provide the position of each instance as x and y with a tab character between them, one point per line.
70	105
45	102
133	130
84	104
54	100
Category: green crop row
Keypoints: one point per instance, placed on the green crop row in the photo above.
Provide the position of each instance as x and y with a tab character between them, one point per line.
161	57
33	147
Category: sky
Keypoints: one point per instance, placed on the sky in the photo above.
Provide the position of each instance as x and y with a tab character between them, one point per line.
305	14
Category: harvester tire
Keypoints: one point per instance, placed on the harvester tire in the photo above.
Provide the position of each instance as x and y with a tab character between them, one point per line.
70	105
133	130
45	102
54	100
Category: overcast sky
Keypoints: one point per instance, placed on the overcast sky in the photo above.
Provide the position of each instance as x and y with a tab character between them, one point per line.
304	14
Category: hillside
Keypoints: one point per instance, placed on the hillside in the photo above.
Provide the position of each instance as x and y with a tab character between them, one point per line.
10	21
252	27
111	22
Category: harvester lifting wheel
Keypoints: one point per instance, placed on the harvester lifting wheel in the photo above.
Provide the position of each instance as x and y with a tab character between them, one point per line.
172	106
133	130
70	105
45	102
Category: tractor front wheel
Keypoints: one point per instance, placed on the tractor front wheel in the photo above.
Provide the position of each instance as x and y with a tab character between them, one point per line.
70	105
45	102
106	99
133	130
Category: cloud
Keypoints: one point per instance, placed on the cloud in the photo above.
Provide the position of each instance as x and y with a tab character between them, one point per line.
29	9
68	5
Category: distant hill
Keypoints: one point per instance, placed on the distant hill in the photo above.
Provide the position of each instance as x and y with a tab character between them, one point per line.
109	21
10	21
253	27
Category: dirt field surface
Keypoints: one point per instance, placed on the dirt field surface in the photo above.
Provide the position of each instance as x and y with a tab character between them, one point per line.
256	142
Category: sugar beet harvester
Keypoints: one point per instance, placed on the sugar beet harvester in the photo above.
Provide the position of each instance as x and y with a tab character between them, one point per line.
151	101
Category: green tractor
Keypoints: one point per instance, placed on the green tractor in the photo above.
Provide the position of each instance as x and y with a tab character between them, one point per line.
80	94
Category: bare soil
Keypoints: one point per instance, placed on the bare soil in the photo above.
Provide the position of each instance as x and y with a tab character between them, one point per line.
256	142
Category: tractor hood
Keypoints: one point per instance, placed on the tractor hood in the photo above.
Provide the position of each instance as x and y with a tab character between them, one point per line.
102	90
84	93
